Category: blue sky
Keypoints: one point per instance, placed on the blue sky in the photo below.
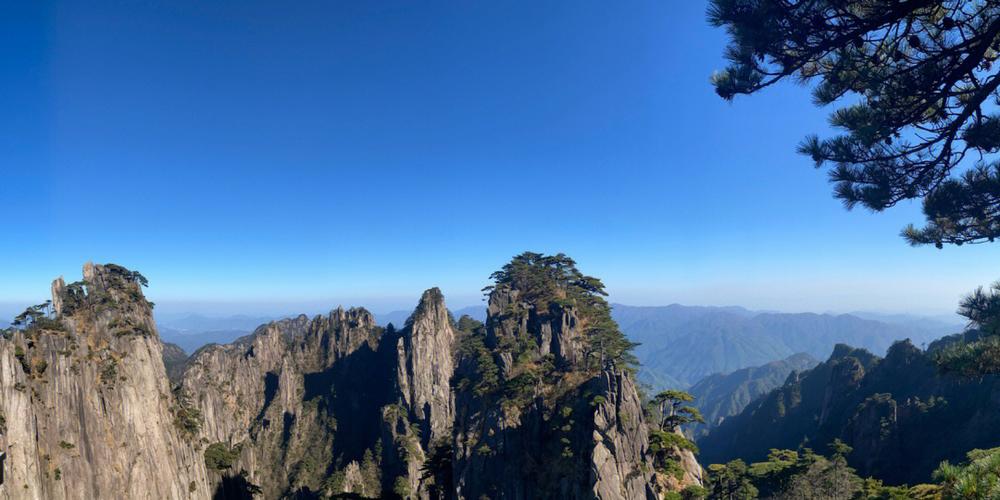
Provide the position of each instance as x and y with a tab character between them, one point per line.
273	156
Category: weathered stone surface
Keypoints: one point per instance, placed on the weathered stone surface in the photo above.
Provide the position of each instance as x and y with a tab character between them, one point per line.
87	406
311	406
583	435
429	361
300	398
621	441
425	366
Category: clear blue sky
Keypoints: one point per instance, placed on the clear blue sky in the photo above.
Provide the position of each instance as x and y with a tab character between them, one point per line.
268	155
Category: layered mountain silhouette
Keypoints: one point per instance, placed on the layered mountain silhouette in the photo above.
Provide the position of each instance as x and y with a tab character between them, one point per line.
680	345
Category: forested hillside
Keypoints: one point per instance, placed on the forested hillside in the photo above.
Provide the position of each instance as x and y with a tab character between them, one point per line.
722	395
680	345
900	415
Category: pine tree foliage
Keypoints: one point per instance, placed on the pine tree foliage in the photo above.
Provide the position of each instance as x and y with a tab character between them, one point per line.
920	87
979	352
979	478
554	280
805	475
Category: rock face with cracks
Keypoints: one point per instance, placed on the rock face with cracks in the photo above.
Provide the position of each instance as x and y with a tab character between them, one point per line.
87	410
312	407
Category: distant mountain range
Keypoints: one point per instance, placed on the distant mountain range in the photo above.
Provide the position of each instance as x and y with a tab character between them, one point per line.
720	395
190	332
190	341
680	345
197	323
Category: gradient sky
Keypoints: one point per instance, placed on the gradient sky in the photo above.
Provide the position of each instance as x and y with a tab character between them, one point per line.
269	156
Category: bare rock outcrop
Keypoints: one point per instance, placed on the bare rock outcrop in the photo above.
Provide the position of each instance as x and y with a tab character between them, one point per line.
552	426
425	414
85	405
297	402
526	406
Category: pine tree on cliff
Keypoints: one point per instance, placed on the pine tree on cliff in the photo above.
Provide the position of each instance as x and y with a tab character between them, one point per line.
555	280
919	83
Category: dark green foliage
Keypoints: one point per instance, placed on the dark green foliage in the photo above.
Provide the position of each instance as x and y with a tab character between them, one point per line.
74	296
335	482
66	446
401	487
920	80
977	351
437	469
546	278
187	418
970	359
109	371
900	414
552	282
371	475
468	324
977	479
982	308
38	317
22	358
486	376
961	210
82	295
665	447
667	412
119	272
219	456
730	481
791	475
693	492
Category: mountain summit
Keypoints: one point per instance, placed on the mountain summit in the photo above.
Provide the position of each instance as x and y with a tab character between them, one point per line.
537	402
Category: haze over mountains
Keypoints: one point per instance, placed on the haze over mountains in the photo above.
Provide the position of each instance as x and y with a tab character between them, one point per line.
334	406
679	345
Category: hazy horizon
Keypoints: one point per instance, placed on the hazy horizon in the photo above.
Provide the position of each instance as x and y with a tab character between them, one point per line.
174	309
264	154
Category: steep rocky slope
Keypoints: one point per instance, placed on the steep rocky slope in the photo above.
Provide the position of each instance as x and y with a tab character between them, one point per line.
86	410
543	408
540	402
900	415
174	360
722	395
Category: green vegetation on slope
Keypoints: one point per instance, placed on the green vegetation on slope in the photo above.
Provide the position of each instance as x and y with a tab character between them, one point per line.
803	474
551	283
900	414
680	345
723	395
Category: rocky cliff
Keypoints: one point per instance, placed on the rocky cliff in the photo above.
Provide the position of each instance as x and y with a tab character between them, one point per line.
86	410
900	415
546	407
296	403
539	402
